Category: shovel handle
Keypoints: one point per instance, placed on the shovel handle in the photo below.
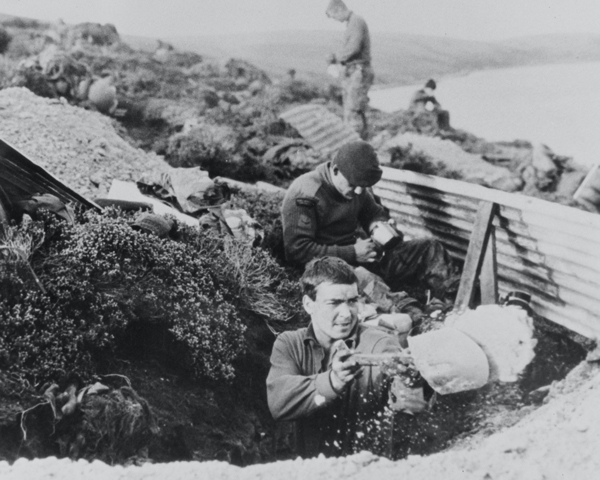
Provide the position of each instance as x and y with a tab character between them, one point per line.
375	359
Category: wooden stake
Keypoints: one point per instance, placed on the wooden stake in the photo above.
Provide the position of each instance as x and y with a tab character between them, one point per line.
475	254
488	279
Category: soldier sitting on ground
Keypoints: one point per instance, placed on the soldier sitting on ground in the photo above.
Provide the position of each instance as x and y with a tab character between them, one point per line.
323	212
423	101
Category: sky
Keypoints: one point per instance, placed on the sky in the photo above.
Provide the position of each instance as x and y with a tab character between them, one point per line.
484	20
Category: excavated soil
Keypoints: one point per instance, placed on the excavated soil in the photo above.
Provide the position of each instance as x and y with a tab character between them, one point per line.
80	147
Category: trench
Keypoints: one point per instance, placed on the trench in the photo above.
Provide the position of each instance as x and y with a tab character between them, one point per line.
231	422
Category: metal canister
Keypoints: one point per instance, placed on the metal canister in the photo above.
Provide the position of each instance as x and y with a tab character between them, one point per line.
385	236
519	299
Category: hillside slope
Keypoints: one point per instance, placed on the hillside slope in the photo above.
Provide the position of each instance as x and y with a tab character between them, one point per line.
398	58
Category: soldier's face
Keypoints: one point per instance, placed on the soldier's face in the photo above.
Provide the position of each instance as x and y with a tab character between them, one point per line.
334	311
343	186
338	14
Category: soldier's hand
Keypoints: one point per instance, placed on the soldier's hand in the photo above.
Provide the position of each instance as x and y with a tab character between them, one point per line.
343	369
366	251
399	322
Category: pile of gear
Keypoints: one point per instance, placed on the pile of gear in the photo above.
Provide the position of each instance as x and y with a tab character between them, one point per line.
55	73
192	192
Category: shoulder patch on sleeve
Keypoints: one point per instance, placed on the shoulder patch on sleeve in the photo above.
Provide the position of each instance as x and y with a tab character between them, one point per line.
306	202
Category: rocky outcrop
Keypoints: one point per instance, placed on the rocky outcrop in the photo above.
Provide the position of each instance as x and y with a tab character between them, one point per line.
473	167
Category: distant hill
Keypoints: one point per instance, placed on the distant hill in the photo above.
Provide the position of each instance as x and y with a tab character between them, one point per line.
397	58
558	48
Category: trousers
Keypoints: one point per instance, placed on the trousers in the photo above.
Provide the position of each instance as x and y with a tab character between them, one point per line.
423	261
356	82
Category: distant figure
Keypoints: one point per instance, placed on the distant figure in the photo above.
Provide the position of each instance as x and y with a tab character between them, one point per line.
423	101
163	51
355	58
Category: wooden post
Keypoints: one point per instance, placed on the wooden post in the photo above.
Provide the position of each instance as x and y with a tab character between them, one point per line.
478	247
488	278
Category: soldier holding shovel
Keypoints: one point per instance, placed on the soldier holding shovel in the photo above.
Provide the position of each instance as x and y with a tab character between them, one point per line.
337	378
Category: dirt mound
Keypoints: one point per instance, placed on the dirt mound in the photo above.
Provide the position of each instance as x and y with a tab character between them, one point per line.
80	147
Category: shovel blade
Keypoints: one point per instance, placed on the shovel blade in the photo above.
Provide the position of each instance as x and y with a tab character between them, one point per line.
449	360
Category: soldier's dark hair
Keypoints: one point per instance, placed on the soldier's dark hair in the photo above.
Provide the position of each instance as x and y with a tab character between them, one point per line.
431	84
326	270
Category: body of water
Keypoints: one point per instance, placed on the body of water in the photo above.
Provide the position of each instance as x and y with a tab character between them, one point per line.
558	105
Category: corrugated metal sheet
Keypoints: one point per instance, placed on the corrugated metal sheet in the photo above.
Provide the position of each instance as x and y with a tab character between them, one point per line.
549	250
21	178
318	126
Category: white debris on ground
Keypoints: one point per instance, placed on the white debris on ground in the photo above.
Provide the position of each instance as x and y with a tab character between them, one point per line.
79	147
557	441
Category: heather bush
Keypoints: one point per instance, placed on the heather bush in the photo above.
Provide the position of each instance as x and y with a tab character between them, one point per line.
199	148
265	208
249	277
100	277
258	282
304	91
298	91
404	158
212	148
44	332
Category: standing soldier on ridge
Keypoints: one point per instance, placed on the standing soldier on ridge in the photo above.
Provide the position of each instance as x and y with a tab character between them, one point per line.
355	57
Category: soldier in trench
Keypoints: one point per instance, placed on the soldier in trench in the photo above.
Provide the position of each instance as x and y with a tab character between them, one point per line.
338	406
